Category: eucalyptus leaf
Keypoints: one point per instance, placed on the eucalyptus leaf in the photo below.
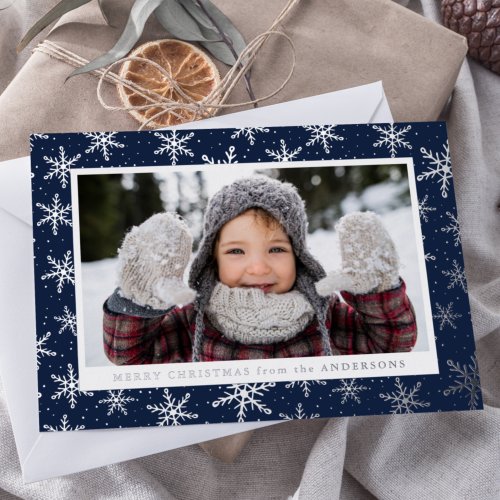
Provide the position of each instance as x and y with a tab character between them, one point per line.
224	23
201	18
220	51
174	18
103	12
55	13
139	14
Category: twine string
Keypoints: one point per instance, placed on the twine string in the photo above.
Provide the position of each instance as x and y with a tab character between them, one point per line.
206	107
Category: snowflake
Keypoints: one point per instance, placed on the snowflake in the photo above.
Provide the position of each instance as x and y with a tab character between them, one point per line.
467	379
457	276
102	141
174	145
41	349
172	412
424	209
442	168
64	426
283	154
67	320
62	270
392	138
299	414
322	134
60	166
249	133
230	158
36	136
305	385
446	315
116	400
403	401
453	228
350	390
428	256
245	395
68	387
55	214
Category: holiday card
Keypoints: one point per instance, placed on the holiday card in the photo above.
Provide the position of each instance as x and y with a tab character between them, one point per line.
371	207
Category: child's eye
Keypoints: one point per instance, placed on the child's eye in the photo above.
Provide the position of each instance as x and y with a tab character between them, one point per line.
235	251
277	250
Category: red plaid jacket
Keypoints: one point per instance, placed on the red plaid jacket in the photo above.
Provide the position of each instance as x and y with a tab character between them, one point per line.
371	323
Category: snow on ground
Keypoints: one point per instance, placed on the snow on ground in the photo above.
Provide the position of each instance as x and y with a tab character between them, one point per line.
99	279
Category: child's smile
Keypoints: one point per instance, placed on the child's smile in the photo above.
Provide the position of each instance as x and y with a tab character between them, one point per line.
251	254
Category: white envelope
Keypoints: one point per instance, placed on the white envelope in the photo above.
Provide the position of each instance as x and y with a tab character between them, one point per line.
49	454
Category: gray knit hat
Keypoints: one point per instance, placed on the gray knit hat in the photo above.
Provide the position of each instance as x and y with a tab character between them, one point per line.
282	201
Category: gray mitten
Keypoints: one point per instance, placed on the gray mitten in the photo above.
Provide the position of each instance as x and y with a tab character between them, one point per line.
152	260
370	262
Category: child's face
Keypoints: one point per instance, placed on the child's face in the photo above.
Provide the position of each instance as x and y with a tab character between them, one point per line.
251	254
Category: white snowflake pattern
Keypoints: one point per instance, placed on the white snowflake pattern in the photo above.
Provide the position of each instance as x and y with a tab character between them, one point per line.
428	256
65	427
60	166
305	385
404	400
62	271
244	396
299	414
36	136
350	390
322	134
68	387
453	228
467	381
103	142
457	276
249	133
283	153
440	166
67	320
174	145
116	400
446	316
424	209
42	350
230	158
55	214
172	412
392	138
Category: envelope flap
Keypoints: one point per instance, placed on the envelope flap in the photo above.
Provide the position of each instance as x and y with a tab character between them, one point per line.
349	106
15	188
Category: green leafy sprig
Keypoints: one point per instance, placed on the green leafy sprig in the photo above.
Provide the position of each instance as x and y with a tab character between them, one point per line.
189	20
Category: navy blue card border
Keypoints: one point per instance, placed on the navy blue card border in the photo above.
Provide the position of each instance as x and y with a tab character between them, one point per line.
63	407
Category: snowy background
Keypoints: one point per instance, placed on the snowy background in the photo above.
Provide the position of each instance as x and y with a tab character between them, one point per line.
99	277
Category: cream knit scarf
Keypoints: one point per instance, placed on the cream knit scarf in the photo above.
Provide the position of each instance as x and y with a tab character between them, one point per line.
250	316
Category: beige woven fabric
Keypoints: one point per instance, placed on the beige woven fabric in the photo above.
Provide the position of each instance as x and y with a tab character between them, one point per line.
442	456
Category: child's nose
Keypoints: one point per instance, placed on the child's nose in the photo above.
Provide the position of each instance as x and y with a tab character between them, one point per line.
258	266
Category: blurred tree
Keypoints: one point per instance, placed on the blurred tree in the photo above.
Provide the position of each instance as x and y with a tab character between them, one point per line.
109	205
146	193
101	216
325	188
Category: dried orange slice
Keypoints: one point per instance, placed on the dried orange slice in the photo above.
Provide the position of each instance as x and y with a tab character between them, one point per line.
193	71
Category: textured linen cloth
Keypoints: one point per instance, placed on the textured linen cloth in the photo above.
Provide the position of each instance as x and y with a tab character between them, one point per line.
426	456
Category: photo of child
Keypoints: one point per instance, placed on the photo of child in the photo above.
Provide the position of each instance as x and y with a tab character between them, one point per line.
254	290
